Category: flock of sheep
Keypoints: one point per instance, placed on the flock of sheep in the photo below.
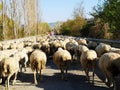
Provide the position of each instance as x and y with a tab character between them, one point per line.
34	52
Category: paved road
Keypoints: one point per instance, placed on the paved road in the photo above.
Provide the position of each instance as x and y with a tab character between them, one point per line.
52	81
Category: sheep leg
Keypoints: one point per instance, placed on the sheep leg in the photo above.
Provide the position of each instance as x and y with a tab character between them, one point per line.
20	67
93	69
66	73
26	60
114	85
14	81
62	74
35	80
106	78
8	79
87	74
25	66
40	75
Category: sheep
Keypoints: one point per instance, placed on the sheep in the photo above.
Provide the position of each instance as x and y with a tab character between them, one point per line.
71	47
20	46
13	45
36	45
62	58
7	53
92	45
79	50
5	45
45	47
9	66
109	65
88	59
22	54
82	41
38	61
102	48
56	44
115	50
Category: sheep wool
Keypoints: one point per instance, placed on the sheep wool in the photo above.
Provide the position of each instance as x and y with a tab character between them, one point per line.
88	61
62	59
109	64
38	61
10	66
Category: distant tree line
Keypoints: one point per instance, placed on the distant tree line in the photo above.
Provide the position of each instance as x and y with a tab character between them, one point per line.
21	18
105	23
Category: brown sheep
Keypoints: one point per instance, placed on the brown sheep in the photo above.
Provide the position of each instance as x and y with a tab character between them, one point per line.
38	61
109	64
87	60
62	59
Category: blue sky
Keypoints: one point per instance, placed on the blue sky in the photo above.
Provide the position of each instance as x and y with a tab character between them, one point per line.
62	10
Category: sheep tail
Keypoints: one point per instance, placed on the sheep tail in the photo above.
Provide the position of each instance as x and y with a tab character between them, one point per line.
40	65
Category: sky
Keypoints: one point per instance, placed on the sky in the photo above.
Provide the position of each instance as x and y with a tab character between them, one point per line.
62	10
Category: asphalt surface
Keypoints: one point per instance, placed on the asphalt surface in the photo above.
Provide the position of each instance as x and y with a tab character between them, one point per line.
52	81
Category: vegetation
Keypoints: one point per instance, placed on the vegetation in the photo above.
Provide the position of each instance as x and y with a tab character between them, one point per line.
104	24
20	18
73	27
109	15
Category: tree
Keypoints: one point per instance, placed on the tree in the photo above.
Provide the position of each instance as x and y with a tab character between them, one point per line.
73	27
109	14
79	10
3	2
19	18
57	27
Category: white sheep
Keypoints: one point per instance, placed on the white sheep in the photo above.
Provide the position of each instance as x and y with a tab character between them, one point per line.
110	67
115	50
38	61
81	41
102	48
7	53
13	45
20	46
5	45
62	59
9	67
22	54
88	59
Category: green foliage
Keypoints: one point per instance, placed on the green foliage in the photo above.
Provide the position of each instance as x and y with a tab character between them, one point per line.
0	6
73	27
86	29
109	13
43	28
1	28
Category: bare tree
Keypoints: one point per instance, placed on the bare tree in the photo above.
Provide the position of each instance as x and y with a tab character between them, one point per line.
79	10
13	14
3	18
37	16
